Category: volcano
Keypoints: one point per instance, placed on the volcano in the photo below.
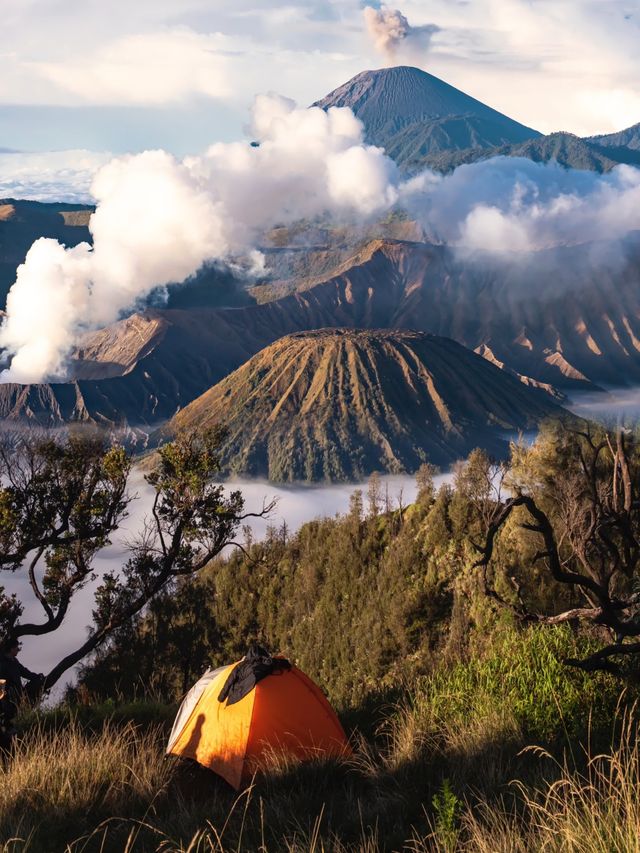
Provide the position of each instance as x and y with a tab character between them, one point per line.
412	114
337	404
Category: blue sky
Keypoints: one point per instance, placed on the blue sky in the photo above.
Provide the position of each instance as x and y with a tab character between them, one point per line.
179	74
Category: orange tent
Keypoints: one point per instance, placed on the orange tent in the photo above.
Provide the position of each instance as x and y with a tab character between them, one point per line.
284	712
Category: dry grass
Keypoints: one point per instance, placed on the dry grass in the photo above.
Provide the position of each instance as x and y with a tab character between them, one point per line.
107	791
76	218
596	810
69	778
437	776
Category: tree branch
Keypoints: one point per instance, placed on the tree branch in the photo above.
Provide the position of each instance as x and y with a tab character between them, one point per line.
34	584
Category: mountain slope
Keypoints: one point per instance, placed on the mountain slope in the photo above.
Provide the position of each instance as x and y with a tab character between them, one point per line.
413	146
406	111
551	316
22	222
337	404
567	150
628	138
568	331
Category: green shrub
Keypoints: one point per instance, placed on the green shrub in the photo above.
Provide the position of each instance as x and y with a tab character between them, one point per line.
521	674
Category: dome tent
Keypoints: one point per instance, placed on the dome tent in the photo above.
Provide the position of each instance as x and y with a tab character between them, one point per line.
237	715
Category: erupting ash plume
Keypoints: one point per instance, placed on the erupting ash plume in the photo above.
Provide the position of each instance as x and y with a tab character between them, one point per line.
158	220
394	37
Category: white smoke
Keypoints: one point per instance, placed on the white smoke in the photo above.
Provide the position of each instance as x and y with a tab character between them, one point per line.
158	220
395	38
509	204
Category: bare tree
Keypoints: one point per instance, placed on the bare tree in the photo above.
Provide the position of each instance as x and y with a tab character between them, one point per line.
576	494
401	505
59	505
374	494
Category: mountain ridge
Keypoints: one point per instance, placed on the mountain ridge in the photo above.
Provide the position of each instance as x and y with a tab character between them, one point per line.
566	149
555	321
629	137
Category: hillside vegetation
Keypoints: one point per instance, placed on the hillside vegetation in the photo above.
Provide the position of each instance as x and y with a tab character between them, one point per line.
470	731
566	149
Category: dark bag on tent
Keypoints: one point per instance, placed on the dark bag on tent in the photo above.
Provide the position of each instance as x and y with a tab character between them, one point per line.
255	666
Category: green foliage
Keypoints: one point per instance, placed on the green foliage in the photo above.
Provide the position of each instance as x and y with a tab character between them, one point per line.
60	502
521	675
365	604
347	598
446	808
441	688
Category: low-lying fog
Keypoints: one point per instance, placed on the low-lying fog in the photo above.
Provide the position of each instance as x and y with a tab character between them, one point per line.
615	404
296	504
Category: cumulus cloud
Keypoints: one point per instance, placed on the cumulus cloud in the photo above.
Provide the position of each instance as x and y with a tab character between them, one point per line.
513	204
159	219
394	37
50	176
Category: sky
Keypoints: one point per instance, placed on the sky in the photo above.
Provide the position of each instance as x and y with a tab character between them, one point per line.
180	74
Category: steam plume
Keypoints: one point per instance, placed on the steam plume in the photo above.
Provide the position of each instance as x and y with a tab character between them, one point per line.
510	204
158	220
395	38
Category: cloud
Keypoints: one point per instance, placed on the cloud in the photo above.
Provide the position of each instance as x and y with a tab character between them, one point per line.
158	220
50	176
507	205
553	64
151	68
395	38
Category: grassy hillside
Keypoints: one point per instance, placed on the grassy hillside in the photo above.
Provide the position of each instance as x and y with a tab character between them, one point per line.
433	766
469	731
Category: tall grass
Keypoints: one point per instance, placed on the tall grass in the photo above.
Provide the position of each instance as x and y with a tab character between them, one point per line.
595	810
450	769
59	783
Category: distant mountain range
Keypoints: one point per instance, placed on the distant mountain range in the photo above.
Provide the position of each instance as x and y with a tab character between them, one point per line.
567	150
554	323
337	404
423	122
629	138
